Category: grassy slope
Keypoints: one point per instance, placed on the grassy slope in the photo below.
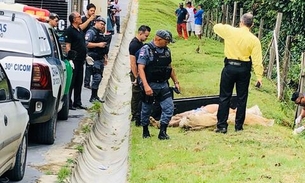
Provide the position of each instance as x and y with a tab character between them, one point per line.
259	154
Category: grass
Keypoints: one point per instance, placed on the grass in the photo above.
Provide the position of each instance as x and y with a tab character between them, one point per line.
258	154
65	171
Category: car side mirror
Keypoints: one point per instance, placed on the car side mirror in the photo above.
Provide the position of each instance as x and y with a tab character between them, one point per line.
71	55
22	94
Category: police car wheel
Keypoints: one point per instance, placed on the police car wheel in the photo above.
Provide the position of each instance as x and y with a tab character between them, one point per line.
47	131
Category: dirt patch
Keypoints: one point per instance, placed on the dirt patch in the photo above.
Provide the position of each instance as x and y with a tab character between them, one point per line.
57	156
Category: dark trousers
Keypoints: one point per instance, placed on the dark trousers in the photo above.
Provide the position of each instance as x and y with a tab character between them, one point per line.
88	74
136	99
231	75
77	82
97	73
117	23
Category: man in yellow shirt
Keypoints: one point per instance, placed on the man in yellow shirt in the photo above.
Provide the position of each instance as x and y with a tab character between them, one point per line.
242	51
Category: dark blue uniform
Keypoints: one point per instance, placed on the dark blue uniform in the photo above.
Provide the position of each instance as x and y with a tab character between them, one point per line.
97	54
157	71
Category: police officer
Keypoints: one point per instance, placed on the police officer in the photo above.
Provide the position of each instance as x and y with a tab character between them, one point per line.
53	20
98	47
154	69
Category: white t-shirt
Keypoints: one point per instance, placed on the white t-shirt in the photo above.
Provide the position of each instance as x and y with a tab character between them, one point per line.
191	14
117	7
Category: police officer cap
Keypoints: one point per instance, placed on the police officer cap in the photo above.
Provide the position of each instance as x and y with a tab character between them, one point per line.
295	95
165	34
99	18
52	16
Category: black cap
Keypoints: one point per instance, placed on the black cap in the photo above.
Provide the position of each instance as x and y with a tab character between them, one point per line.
52	16
99	18
165	34
295	95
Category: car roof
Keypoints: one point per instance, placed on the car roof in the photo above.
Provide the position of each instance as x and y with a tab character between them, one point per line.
37	36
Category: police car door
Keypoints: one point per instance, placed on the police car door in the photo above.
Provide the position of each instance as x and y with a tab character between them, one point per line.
57	65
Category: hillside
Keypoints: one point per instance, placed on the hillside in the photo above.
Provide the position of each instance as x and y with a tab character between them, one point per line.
258	154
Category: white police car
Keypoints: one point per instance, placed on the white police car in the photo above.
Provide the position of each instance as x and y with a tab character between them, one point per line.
13	129
32	57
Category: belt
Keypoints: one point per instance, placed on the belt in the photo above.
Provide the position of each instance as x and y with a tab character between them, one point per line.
237	62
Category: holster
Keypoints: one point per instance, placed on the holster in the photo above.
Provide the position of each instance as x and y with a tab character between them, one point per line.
147	99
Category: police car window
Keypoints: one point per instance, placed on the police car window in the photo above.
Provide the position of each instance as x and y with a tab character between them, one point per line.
4	87
43	41
53	43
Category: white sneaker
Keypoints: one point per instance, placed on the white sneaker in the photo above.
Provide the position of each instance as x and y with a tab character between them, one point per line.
298	120
298	130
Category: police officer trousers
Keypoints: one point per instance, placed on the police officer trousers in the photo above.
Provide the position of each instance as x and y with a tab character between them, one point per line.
162	94
239	74
97	73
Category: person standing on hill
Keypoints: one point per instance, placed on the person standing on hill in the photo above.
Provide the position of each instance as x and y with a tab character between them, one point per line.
242	51
155	69
134	46
199	21
182	16
190	21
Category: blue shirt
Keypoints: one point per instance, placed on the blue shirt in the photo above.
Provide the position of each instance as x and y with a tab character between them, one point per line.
198	17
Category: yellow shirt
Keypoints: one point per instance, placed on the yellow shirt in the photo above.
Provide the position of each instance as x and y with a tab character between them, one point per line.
240	44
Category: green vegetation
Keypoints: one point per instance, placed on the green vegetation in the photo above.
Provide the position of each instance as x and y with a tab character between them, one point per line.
86	128
267	10
80	148
258	154
65	171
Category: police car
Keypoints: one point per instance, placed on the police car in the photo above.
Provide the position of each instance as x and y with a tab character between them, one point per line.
32	58
13	129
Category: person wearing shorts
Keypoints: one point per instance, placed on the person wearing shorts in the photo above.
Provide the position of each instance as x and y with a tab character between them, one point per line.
198	21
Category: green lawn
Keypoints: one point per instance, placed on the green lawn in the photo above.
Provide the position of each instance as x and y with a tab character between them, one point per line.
258	154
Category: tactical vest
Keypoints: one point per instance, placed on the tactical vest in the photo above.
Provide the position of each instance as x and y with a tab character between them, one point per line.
159	69
99	53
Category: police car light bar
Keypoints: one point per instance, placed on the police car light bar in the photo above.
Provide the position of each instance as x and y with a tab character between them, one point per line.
39	13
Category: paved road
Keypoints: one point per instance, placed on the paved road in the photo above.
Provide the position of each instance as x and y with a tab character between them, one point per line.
36	152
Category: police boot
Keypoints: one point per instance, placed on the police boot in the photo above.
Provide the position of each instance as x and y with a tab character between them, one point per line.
138	122
162	134
93	95
146	133
138	119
